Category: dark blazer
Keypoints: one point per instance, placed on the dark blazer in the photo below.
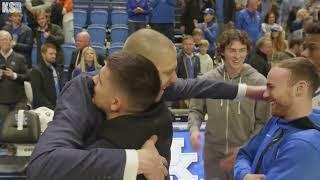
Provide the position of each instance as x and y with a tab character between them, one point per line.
24	42
75	57
43	87
12	91
182	66
57	38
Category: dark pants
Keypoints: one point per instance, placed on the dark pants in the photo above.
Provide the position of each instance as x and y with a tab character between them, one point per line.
135	26
6	108
165	28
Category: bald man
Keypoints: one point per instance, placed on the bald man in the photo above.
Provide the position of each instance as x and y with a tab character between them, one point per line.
82	41
61	152
13	71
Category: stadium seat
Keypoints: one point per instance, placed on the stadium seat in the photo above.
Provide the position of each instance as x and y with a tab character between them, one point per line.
99	48
99	17
67	50
97	34
119	17
80	17
34	54
114	48
77	29
119	34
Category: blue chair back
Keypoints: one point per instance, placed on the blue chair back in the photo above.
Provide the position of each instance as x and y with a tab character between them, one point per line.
99	48
119	17
113	49
79	17
119	34
100	17
34	54
97	34
67	51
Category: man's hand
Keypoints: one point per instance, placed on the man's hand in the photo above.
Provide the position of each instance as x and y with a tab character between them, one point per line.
254	177
9	73
256	92
195	23
151	164
13	44
228	162
46	34
183	29
195	140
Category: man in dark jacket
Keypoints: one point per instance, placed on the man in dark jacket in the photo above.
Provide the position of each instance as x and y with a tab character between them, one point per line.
258	58
22	36
77	120
13	72
46	81
49	33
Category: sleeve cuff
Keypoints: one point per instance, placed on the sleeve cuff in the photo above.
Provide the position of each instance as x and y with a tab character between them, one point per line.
132	163
15	76
242	89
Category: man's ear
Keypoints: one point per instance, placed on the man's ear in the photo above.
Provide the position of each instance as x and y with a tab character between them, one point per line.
302	88
115	104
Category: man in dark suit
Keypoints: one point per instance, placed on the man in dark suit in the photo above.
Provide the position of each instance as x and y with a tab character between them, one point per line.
22	36
49	33
46	81
82	41
13	72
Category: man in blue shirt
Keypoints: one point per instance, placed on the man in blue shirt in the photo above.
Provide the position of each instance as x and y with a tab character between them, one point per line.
288	147
249	20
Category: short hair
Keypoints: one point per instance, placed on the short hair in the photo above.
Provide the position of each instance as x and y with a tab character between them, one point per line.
46	46
197	31
266	18
42	12
233	35
204	42
186	37
302	69
260	43
294	42
135	76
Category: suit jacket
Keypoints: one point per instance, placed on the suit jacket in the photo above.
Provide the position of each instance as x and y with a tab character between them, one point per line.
75	57
24	42
43	86
12	91
57	38
131	131
182	66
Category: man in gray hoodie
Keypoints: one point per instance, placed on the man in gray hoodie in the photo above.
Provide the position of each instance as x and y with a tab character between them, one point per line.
230	123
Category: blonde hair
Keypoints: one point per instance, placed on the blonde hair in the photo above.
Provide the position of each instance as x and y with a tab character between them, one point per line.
279	43
197	31
204	42
302	13
82	64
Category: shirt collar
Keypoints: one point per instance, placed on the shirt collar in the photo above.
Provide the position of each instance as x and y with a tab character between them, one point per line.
6	55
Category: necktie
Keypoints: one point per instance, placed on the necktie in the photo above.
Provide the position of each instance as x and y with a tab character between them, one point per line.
56	80
190	68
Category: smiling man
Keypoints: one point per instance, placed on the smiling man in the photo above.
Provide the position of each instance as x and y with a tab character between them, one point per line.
288	147
230	123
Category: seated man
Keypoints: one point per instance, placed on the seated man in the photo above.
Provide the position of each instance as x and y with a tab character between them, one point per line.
13	72
46	81
127	100
288	147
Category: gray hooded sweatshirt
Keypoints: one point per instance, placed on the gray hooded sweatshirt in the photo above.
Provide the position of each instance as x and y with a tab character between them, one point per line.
230	123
